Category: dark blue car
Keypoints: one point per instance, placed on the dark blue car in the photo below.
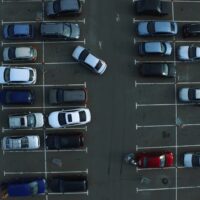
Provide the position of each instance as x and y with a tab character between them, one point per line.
27	188
18	31
8	96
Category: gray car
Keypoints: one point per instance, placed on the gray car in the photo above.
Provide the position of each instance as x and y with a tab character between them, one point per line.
153	28
188	53
155	48
68	31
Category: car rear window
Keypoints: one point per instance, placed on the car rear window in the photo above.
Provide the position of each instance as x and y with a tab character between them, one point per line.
98	65
83	55
61	118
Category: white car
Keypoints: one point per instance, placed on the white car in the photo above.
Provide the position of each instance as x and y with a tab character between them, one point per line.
11	54
189	95
64	118
17	75
189	53
30	120
83	56
20	142
192	159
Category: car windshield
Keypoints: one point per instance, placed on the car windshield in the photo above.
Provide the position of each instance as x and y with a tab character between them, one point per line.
82	116
67	30
163	47
24	142
34	187
165	70
192	94
56	6
83	55
11	53
196	160
62	119
98	65
192	52
31	75
145	162
150	27
7	75
69	118
162	161
31	120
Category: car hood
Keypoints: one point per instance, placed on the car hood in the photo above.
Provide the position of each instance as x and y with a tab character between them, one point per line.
168	48
188	160
103	67
53	119
183	94
75	31
183	52
34	142
39	120
49	8
142	28
165	27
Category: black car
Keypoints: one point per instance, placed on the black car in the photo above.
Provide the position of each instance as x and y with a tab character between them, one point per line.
9	96
63	7
152	7
18	31
67	31
68	184
191	30
62	96
157	69
66	141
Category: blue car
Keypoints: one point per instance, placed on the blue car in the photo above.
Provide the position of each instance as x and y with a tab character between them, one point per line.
155	48
24	188
9	96
157	28
18	31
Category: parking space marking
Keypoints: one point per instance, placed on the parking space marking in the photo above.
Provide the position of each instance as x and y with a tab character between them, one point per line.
168	188
157	61
155	169
51	21
48	172
153	83
68	193
68	128
134	20
43	41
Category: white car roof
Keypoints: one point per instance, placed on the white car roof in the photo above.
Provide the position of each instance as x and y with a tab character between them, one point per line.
17	74
22	52
75	117
91	60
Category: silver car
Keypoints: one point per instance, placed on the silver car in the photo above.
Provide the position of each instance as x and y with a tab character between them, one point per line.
189	95
20	142
160	28
189	53
30	120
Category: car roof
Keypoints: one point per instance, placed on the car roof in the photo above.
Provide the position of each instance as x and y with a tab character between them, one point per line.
162	26
69	4
153	47
17	74
149	4
22	29
74	95
23	51
52	28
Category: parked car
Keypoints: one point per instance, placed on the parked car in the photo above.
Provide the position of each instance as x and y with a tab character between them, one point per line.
63	7
154	159
62	96
191	159
191	30
189	53
66	141
20	142
83	56
18	31
152	7
17	75
30	120
157	69
155	48
63	184
13	97
189	95
157	28
23	188
67	31
74	117
11	54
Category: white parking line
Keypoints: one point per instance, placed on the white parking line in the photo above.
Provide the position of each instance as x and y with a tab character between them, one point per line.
42	41
167	188
48	172
134	20
68	128
52	21
68	193
163	104
155	169
153	83
158	61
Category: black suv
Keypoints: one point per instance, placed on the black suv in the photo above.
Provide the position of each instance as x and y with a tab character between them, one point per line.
63	7
190	30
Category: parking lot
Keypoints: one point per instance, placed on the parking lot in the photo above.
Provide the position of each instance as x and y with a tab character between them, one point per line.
129	113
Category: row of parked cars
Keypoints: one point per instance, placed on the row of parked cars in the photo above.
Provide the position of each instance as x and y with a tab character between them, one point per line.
163	48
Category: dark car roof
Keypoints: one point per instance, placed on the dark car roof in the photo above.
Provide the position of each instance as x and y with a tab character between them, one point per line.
23	29
68	184
70	5
52	28
193	27
16	97
66	141
154	69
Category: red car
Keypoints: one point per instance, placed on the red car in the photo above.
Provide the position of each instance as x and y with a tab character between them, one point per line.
154	159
